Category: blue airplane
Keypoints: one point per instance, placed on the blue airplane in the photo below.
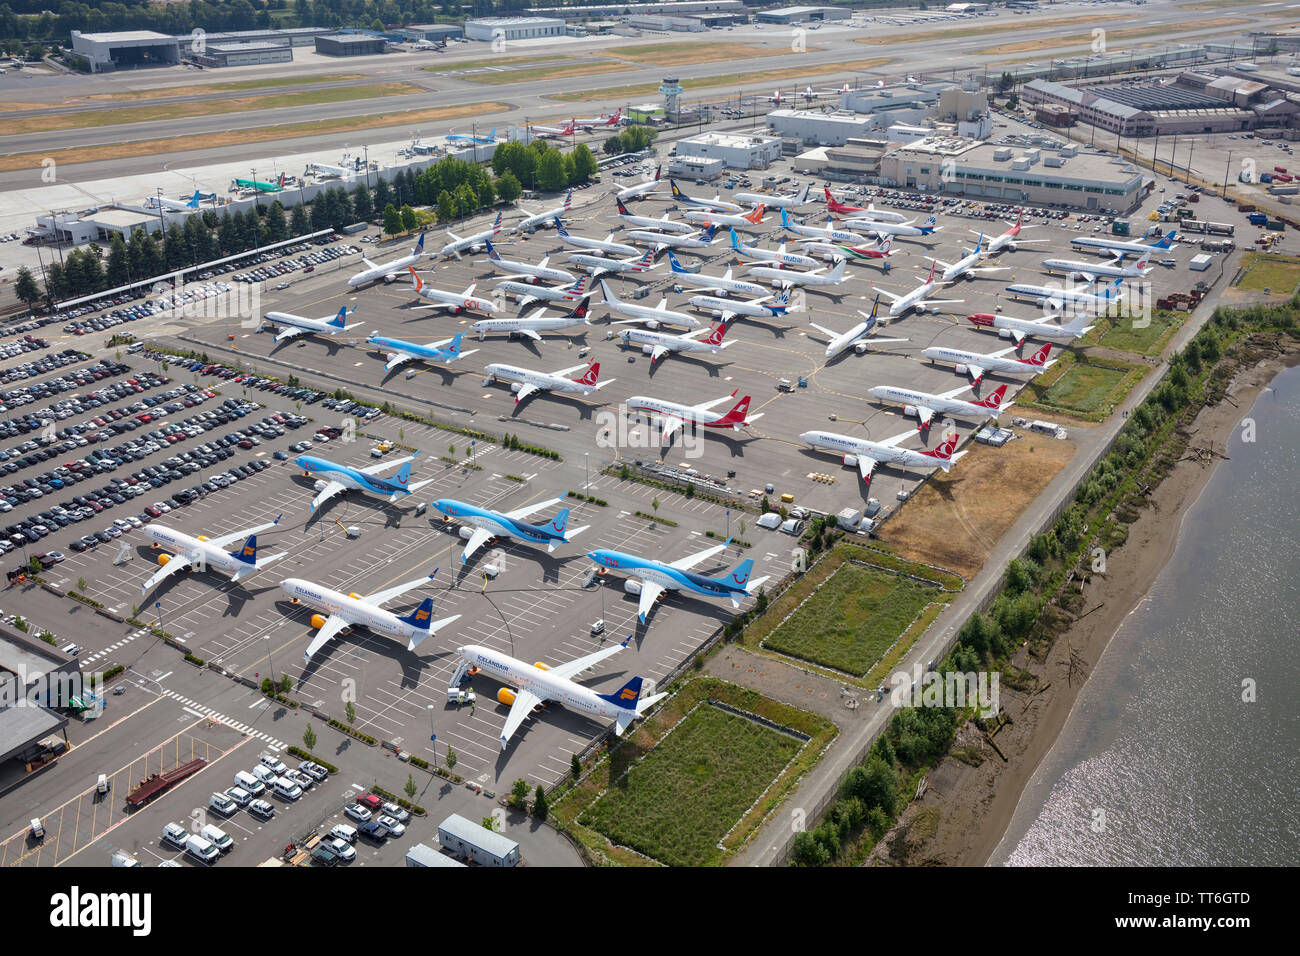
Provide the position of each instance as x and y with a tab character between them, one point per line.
656	577
337	479
481	525
399	352
487	140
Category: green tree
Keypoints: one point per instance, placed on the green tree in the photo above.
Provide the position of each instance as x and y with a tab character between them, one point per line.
806	851
298	224
309	738
361	204
286	684
550	171
519	794
25	286
350	712
408	218
451	760
277	230
411	789
575	765
508	188
489	822
392	220
540	807
875	784
446	207
117	272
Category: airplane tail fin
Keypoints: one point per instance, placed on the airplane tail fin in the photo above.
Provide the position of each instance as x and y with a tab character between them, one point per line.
739	578
930	222
422	616
735	240
496	226
626	696
673	264
677	193
933	265
248	553
658	170
419	246
403	476
993	399
785	218
648	259
557	524
838	271
757	215
1039	358
886	244
416	283
1078	325
492	251
559	228
715	334
453	347
803	196
622	209
338	320
737	415
568	200
782	301
589	377
707	235
194	200
944	451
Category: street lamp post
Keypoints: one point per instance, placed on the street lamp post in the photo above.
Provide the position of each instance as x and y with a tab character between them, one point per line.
269	665
433	737
586	458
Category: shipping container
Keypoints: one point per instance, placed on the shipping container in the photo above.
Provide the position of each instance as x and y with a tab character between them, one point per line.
1199	263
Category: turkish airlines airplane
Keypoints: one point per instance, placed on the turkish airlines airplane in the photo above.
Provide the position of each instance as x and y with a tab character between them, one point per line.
480	526
1019	329
669	417
977	364
454	302
925	405
201	553
658	344
866	455
648	578
651	317
918	299
296	325
525	382
1010	239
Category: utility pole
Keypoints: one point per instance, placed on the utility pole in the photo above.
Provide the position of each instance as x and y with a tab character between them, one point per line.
1227	170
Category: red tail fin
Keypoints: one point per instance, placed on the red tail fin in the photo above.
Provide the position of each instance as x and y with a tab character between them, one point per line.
589	377
737	415
757	214
715	334
579	310
945	449
933	265
1039	358
994	398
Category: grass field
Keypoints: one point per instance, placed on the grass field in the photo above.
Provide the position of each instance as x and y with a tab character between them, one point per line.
554	71
493	61
1019	26
1127	336
230	86
852	620
685	794
1278	274
1083	388
681	54
1112	36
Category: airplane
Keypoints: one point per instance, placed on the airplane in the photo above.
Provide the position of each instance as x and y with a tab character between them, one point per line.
539	220
866	454
825	233
815	277
472	243
553	131
836	250
1009	240
651	317
727	309
341	478
977	364
176	204
389	271
702	240
524	382
658	344
536	684
201	553
1056	298
779	256
903	230
481	525
346	611
872	213
604	119
259	186
533	325
649	578
668	416
775	98
724	284
1091	271
447	350
519	270
703	217
296	325
463	140
1121	250
607	245
857	337
663	223
640	190
454	302
916	299
968	266
600	265
430	45
774	201
925	405
1019	329
342	172
717	203
526	293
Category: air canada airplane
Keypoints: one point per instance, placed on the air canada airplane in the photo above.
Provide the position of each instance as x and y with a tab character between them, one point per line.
201	553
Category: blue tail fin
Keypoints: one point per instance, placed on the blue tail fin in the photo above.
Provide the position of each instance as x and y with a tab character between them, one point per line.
735	241
337	321
422	616
419	246
785	217
673	263
782	300
626	696
194	200
248	553
403	476
930	222
491	250
559	227
1165	242
557	524
453	347
739	578
708	233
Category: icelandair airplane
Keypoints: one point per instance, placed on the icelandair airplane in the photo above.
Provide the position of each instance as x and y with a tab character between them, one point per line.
389	271
399	352
649	578
296	325
866	455
201	553
340	478
479	526
535	684
346	611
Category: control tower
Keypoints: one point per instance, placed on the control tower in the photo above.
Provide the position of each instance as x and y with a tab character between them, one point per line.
671	91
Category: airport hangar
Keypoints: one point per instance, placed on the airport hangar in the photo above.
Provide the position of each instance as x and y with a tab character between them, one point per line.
132	48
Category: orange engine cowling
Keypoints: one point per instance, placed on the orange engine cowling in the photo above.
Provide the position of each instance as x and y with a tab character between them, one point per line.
318	621
506	696
203	537
164	558
540	666
354	595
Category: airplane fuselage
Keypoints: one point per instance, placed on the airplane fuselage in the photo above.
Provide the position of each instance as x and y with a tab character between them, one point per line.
357	612
937	403
862	448
195	549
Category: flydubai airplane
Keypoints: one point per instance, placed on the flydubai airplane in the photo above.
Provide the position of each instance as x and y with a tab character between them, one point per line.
826	233
1092	271
750	220
1009	240
176	204
540	219
662	224
526	293
866	455
774	201
536	684
453	302
399	352
518	270
598	266
860	337
342	612
978	364
201	553
640	190
334	479
760	308
660	240
525	382
479	526
1119	249
607	245
669	417
724	284
815	277
650	317
389	270
717	203
532	326
779	256
925	405
869	211
472	243
968	266
460	139
658	344
1020	329
295	325
918	299
648	579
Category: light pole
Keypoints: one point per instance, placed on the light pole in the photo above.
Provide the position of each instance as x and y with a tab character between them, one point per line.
586	458
433	737
270	666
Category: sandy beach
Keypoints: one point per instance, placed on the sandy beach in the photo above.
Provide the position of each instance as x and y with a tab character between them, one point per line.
966	808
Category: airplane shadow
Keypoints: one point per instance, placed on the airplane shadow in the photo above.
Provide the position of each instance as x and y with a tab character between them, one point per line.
713	369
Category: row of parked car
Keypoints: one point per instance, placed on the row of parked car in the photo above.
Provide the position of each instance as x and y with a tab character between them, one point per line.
26	394
307	396
307	263
28	343
41	366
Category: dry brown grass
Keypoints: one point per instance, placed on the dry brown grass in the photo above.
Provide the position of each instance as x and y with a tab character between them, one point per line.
1132	33
1019	26
553	72
680	54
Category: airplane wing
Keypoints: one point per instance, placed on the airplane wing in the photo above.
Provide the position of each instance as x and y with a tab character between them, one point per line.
329	630
524	392
292	332
924	414
570	371
384	465
573	668
379	598
476	541
657	353
530	333
330	490
521	708
866	466
1019	336
705	406
825	331
397	358
955	392
893	297
649	594
690	561
176	564
222	540
930	302
668	427
435	305
527	510
892	442
975	371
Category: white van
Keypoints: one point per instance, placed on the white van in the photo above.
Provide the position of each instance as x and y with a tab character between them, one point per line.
274	763
201	849
264	774
344	832
222	803
246	781
217	837
239	795
286	788
175	834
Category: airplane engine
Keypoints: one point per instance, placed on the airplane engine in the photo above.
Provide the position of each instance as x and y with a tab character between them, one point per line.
466	533
542	666
515	386
388	280
860	348
163	559
652	325
910	411
632	587
1073	275
203	537
1010	247
850	461
355	596
959	369
319	486
1004	333
506	696
647	350
919	308
318	621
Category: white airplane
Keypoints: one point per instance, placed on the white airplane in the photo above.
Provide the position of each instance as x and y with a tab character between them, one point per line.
836	250
724	283
535	684
826	233
518	270
925	405
346	611
540	219
663	223
531	326
604	119
454	302
478	525
553	131
341	478
601	265
814	277
202	553
727	309
607	245
978	364
660	240
188	205
1056	298
779	255
717	203
342	172
867	213
859	338
640	190
968	266
651	317
902	230
649	578
1019	329
1010	239
668	416
775	201
296	325
388	271
916	299
866	455
703	217
1119	249
1092	271
525	382
658	344
472	243
526	293
399	352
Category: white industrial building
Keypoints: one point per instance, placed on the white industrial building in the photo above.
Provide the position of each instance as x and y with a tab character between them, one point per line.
888	106
126	50
661	21
699	168
247	53
513	28
814	126
736	150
